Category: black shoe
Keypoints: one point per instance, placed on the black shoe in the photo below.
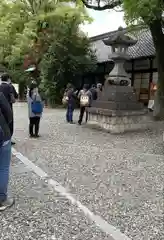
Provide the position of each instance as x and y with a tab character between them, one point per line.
13	143
6	204
36	136
79	122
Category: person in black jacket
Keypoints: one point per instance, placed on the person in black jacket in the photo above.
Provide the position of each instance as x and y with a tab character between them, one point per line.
70	93
94	92
10	93
6	88
15	96
6	117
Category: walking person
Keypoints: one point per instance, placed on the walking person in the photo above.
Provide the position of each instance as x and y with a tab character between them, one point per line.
85	97
69	99
35	110
6	117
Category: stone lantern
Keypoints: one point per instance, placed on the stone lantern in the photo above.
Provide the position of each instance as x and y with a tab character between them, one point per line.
119	46
117	109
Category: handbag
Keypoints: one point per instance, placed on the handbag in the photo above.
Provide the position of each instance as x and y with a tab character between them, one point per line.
12	98
65	100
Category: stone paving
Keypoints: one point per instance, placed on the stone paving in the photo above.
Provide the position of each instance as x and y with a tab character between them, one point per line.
119	178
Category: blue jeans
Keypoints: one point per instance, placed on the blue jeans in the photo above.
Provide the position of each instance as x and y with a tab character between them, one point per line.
69	113
5	159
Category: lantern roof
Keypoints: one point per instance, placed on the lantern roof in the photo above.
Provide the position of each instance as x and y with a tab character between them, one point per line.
119	38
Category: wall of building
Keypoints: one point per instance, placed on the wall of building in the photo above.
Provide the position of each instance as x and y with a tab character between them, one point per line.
144	74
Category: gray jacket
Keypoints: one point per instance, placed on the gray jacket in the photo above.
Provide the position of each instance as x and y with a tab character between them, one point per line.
6	117
29	101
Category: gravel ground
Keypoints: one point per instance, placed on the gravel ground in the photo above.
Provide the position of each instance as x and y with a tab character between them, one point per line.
117	177
41	214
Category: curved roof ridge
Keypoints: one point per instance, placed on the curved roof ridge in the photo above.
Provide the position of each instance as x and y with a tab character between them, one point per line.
143	48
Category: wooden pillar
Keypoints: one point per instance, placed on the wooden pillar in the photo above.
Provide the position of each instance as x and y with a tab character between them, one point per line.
151	75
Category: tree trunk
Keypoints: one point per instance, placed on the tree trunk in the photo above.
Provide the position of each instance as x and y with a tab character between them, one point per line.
158	39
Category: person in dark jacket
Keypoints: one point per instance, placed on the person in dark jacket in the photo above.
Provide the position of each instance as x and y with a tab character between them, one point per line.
6	117
6	88
15	96
10	93
71	94
94	92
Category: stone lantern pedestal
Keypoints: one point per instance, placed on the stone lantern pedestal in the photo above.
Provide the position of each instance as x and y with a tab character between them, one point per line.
117	109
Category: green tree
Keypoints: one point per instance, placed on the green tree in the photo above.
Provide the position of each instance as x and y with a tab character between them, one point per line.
149	12
27	27
41	15
69	55
22	21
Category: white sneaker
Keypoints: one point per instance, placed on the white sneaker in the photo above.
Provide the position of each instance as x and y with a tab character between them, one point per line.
9	202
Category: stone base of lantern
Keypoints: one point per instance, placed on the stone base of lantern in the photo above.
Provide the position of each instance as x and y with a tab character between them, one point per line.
117	122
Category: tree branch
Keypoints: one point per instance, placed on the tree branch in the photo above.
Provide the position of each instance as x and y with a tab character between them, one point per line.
97	7
121	10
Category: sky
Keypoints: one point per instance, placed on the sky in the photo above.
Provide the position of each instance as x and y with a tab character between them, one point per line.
103	21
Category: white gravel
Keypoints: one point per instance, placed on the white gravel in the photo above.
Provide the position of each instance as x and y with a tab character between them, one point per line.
118	177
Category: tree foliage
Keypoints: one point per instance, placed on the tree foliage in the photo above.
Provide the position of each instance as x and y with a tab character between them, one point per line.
37	28
147	11
151	13
68	56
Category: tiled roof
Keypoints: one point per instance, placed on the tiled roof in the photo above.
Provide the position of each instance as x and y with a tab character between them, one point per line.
143	48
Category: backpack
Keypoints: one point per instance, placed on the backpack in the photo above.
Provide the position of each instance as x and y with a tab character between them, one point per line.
84	99
36	107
